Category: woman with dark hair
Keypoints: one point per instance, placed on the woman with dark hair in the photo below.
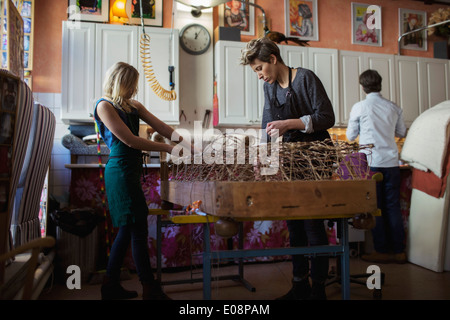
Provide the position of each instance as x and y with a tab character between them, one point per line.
297	107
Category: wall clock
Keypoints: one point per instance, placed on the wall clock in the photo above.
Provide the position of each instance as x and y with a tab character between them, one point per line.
195	39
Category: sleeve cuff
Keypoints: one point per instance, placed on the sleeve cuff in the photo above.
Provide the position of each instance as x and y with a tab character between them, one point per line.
308	124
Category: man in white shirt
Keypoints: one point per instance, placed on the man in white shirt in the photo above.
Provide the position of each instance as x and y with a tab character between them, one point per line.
378	121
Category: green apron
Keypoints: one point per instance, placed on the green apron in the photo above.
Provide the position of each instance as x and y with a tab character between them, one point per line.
123	171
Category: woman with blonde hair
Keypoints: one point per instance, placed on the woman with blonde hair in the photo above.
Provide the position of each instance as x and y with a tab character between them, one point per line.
117	116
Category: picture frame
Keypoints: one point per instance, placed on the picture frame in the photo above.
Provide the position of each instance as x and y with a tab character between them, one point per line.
14	34
26	9
301	19
237	14
409	20
88	10
366	27
153	12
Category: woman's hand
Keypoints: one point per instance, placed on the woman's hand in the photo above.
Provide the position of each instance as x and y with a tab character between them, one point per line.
284	125
277	128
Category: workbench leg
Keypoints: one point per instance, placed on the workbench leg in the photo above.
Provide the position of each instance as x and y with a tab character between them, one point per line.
345	261
158	247
241	247
206	263
244	282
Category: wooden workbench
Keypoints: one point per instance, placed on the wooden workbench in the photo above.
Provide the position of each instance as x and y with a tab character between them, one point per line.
242	201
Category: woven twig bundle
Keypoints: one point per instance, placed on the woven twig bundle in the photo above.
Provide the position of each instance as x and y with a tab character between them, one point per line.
238	158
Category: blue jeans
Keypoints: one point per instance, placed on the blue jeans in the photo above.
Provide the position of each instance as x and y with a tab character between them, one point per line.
302	233
388	234
137	233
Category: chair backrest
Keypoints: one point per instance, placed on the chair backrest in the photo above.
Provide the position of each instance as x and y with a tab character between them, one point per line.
25	224
23	119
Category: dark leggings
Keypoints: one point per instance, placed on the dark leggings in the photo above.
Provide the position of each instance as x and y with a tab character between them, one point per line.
137	233
302	233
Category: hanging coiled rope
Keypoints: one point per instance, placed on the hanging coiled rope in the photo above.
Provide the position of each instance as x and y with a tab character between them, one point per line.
144	44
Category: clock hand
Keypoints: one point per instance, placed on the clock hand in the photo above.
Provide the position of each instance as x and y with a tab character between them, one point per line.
196	35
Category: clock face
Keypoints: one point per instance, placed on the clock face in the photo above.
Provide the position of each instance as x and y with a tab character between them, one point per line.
195	39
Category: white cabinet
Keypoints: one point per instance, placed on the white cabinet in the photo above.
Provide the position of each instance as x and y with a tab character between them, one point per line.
409	93
385	66
324	63
435	80
351	65
421	84
78	61
163	53
294	56
413	83
237	87
113	43
90	49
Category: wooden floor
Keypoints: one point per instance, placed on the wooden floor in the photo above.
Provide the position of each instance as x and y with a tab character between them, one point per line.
271	280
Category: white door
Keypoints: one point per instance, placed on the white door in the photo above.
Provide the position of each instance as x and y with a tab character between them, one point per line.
163	52
294	57
351	66
234	85
384	65
435	80
78	57
409	92
324	63
114	43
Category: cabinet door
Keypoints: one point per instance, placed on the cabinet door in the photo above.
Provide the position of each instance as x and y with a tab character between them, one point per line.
113	43
78	57
384	65
234	84
294	56
409	91
163	52
435	80
324	63
258	104
350	67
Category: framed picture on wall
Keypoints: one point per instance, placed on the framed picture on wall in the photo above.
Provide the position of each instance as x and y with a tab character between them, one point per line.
152	12
410	20
301	18
366	24
88	10
15	40
238	15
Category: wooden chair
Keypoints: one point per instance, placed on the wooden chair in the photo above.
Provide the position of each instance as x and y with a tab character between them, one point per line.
22	281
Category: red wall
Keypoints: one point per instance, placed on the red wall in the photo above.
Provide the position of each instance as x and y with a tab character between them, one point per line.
334	31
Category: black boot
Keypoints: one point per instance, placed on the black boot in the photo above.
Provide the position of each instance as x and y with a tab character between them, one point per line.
300	291
153	291
318	291
112	290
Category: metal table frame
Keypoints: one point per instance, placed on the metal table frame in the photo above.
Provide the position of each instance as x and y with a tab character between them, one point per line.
342	250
